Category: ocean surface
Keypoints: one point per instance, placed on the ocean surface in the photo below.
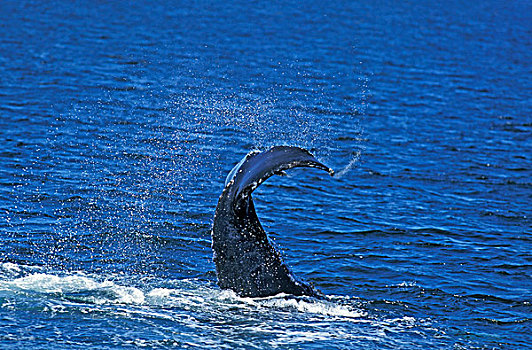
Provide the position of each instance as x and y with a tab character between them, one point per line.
119	122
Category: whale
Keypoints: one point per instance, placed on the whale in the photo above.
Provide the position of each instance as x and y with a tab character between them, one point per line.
246	261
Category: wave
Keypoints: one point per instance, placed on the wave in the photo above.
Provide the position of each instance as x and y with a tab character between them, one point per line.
76	287
187	294
200	312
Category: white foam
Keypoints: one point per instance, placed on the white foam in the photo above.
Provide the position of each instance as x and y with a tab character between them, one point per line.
185	294
284	301
160	293
316	307
11	269
94	291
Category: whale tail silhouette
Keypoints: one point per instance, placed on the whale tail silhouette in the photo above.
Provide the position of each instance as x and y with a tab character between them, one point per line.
245	260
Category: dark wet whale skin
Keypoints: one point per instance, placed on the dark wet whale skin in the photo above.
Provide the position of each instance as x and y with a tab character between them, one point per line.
246	262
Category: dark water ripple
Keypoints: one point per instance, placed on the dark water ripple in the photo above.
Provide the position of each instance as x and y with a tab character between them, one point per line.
119	122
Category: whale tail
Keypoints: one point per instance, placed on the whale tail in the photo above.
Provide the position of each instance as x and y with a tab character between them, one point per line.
245	260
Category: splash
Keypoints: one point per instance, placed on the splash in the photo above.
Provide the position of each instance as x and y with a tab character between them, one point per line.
196	307
319	307
328	306
187	294
354	160
75	287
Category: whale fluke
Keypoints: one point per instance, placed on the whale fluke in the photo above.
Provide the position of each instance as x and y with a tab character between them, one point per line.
246	262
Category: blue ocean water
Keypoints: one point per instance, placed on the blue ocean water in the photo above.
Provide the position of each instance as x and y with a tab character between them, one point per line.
119	122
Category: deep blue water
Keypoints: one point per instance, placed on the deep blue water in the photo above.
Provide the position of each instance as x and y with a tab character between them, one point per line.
119	122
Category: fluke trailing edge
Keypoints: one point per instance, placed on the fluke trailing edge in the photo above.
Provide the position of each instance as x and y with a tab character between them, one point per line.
245	260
